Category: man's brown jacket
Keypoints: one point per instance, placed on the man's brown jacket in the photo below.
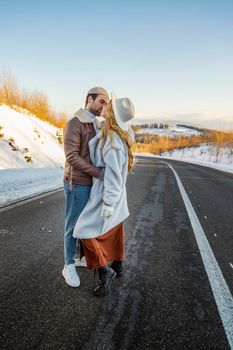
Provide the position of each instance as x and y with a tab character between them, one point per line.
77	133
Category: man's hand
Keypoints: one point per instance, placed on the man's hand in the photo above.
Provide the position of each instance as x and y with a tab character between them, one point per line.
107	211
101	175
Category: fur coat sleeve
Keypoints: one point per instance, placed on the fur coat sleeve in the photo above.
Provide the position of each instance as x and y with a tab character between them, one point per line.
114	159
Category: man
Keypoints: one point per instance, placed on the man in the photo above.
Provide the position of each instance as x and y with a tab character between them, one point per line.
79	172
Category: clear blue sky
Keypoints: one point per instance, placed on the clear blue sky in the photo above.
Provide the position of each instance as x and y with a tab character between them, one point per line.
172	57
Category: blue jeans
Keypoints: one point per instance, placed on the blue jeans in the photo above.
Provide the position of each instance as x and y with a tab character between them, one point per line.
76	199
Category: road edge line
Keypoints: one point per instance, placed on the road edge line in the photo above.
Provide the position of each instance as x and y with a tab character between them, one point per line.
28	199
220	289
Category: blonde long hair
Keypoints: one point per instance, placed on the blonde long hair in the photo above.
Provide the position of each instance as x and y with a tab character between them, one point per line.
111	126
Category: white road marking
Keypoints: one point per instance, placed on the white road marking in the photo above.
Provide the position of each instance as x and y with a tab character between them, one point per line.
221	292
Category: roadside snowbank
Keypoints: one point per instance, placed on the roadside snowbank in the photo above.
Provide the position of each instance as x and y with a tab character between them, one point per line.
18	184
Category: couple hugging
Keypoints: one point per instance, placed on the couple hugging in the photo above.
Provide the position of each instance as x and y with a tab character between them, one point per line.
98	149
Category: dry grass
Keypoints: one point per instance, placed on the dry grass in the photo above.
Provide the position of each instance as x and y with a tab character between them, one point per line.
35	102
158	144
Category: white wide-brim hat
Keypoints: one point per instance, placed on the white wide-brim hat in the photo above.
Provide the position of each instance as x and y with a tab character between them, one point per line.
123	110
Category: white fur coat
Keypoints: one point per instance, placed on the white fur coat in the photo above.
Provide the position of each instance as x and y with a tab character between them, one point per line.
112	191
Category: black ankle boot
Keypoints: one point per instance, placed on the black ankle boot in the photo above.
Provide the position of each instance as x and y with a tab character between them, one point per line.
117	266
106	275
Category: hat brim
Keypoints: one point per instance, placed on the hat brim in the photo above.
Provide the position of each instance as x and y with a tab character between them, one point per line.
124	126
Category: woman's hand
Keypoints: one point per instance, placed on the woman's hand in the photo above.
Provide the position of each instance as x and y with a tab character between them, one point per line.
107	211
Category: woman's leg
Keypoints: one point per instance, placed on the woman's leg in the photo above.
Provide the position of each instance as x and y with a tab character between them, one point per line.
119	248
96	260
119	243
93	253
101	250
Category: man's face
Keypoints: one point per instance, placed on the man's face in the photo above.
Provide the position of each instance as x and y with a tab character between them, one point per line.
96	106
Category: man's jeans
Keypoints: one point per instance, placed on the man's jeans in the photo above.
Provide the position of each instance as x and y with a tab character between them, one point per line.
75	202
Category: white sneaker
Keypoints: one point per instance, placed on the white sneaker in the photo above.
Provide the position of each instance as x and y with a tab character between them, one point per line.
70	274
81	263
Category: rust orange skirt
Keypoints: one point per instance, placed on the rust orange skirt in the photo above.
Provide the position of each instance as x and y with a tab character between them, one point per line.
101	250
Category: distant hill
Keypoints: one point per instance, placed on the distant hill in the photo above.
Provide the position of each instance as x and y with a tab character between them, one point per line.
196	121
192	127
169	131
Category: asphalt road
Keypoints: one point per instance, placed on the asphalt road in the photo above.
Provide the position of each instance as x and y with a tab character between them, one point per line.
164	300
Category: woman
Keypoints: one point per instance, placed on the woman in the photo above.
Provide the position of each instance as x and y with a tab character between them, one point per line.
100	225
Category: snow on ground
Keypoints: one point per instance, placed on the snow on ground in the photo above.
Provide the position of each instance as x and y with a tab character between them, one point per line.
18	184
24	137
32	137
206	155
37	139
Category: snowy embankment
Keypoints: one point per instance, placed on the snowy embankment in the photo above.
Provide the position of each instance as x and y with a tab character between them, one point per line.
206	155
18	184
220	158
31	156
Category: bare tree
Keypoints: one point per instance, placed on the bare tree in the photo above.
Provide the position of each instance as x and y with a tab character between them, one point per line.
9	91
